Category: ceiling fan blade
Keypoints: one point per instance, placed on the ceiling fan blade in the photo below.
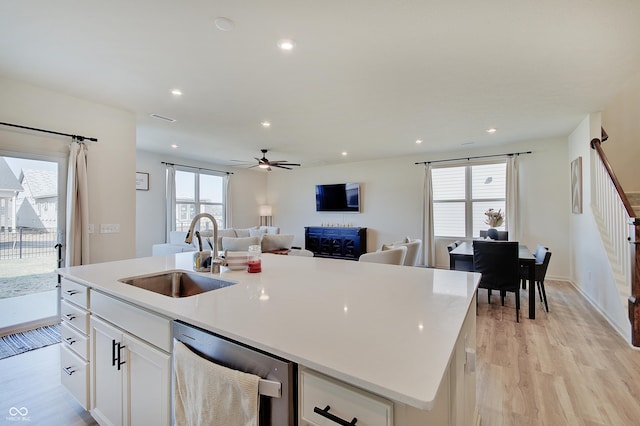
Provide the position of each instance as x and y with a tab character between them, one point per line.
281	166
284	163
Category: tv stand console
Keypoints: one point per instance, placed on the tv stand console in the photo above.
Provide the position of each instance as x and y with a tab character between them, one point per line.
337	243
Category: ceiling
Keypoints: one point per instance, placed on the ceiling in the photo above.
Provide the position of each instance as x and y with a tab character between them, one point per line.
365	77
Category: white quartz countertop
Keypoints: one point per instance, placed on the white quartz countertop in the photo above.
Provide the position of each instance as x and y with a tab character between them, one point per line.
388	329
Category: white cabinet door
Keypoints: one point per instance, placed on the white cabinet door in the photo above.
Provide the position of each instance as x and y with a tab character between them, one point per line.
147	384
107	379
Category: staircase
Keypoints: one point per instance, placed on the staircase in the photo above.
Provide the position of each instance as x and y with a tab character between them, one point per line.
615	214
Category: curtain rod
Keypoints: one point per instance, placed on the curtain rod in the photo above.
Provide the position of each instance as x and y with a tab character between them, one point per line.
74	137
473	158
199	168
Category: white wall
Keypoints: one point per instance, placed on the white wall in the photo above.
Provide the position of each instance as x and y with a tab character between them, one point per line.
621	120
111	161
391	193
247	187
590	269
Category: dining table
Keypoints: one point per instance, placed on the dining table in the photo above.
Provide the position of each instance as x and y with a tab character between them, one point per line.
464	252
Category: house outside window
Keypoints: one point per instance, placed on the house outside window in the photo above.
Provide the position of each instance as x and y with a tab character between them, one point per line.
461	196
198	192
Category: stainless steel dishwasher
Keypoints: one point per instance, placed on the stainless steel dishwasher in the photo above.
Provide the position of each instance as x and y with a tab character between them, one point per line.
278	387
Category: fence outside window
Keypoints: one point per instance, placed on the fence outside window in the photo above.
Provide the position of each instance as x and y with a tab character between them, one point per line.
27	242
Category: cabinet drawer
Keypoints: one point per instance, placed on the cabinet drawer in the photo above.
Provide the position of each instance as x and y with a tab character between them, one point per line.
74	375
75	316
74	292
345	402
74	340
148	326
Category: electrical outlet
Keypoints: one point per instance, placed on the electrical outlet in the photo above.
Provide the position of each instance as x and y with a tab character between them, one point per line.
91	228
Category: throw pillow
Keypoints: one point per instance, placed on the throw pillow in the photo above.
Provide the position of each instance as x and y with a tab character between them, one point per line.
242	233
230	232
276	242
257	232
239	244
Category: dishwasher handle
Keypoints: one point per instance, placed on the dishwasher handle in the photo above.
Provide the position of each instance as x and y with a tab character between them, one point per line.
270	388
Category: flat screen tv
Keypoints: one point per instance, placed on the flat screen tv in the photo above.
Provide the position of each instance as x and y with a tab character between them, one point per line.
339	197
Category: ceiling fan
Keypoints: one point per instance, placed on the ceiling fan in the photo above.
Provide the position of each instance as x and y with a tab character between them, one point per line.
264	163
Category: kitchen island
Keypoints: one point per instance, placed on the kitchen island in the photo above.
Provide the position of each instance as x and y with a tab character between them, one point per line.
405	334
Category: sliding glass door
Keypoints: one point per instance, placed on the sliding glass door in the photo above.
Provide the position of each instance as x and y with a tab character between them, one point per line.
31	217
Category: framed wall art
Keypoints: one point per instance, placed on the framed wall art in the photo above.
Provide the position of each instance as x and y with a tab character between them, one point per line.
142	181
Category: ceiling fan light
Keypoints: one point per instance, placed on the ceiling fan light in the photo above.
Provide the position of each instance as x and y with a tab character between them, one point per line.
263	166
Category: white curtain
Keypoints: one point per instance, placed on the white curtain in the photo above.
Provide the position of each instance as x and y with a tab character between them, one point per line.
428	240
513	218
227	202
170	195
77	250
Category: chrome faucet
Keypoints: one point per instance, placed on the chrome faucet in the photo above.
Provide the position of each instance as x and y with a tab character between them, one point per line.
190	233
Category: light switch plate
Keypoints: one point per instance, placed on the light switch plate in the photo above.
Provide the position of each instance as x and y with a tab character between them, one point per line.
109	228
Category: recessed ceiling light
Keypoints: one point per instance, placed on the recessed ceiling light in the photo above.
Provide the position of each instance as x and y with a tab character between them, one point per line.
223	24
344	153
176	92
266	124
418	141
286	44
174	146
492	130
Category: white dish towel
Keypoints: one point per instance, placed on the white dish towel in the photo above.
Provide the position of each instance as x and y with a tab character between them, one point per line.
206	393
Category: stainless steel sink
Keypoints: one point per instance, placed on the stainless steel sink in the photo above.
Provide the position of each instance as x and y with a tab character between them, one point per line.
177	283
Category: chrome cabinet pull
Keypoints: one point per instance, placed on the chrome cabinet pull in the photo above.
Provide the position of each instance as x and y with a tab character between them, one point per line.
326	414
70	340
70	317
72	292
69	370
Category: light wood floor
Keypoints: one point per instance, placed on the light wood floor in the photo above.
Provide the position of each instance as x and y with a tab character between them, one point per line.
32	380
566	367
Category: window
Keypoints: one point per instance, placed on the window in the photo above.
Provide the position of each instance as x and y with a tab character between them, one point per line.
462	194
198	192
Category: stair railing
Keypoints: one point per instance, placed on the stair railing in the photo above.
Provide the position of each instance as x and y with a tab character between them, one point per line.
622	231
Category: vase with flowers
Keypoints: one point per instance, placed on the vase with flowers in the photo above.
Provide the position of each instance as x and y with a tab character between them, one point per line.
495	218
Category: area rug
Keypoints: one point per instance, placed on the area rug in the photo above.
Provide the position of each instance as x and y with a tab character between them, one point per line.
15	344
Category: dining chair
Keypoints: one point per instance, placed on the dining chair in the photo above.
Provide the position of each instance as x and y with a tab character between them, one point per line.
498	263
394	256
543	257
